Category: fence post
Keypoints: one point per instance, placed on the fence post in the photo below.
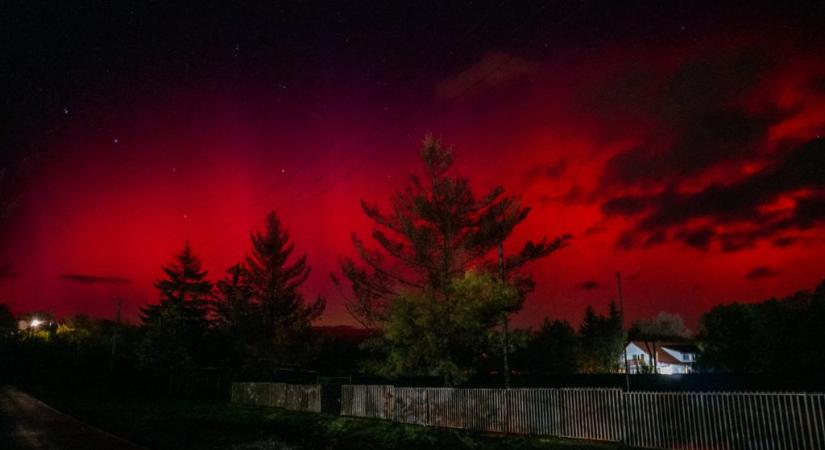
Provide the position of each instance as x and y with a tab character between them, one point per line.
427	406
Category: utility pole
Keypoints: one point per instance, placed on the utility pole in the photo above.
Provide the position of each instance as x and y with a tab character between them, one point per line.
505	342
118	304
621	309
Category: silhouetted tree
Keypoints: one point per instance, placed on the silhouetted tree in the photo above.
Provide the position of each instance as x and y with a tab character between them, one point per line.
273	277
776	336
436	231
340	349
662	328
8	324
238	320
602	340
553	349
175	328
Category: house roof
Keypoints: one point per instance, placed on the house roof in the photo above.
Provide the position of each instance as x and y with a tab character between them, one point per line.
681	348
665	357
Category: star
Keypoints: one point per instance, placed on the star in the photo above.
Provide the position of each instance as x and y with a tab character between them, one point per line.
283	170
115	140
65	111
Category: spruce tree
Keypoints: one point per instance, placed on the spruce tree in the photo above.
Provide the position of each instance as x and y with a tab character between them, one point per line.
175	328
238	321
274	278
602	340
235	308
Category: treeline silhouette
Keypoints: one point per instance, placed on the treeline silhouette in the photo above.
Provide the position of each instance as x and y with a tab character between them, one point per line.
772	344
434	293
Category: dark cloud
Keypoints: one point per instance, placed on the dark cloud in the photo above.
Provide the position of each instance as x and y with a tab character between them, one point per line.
550	171
589	285
573	195
627	205
760	272
799	171
785	241
716	137
595	229
494	69
93	279
699	120
818	83
655	238
675	103
704	84
7	271
698	239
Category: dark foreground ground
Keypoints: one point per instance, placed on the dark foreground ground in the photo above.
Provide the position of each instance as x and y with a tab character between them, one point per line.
161	425
27	423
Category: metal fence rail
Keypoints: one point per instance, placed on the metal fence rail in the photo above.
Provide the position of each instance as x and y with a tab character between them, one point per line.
666	420
744	421
294	397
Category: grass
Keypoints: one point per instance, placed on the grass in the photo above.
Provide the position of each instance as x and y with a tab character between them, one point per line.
165	425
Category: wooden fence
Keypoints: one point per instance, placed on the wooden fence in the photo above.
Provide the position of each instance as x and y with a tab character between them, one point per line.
685	420
295	397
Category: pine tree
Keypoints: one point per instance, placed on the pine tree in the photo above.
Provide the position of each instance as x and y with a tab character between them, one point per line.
274	280
553	349
238	321
436	231
175	328
185	285
602	340
235	308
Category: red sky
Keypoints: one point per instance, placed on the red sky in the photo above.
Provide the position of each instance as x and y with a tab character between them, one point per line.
675	161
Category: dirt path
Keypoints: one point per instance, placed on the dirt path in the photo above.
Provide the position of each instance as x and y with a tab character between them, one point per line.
28	423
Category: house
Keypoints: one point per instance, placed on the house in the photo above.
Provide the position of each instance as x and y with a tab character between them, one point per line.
672	358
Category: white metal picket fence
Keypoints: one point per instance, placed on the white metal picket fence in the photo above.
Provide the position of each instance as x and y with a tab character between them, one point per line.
295	397
759	421
667	420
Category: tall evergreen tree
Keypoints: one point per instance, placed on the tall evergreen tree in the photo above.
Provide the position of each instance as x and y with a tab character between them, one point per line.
436	230
274	278
602	340
553	349
175	328
236	307
238	321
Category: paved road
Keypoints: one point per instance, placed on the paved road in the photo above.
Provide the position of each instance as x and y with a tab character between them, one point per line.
27	423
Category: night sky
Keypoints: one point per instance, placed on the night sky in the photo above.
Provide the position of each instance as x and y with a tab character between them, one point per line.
677	143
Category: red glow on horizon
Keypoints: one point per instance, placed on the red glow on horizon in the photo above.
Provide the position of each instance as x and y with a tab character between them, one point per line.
209	171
